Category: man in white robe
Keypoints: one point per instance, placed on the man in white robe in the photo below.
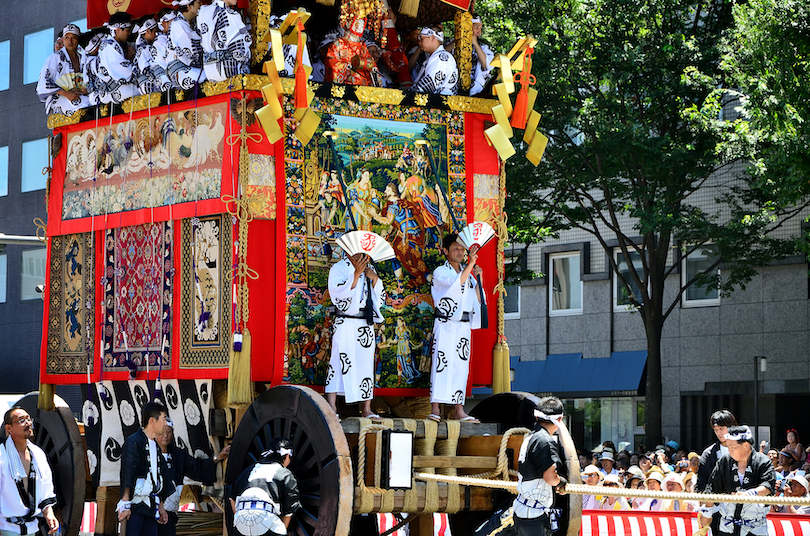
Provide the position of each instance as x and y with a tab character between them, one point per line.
152	77
185	59
458	311
439	74
90	70
68	60
116	72
357	294
26	480
482	57
225	40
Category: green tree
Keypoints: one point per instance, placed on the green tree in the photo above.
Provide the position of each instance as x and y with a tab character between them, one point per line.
626	93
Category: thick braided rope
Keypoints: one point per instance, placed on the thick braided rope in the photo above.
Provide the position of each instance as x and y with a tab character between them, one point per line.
501	231
411	502
581	489
502	469
366	493
387	503
449	447
467	481
425	447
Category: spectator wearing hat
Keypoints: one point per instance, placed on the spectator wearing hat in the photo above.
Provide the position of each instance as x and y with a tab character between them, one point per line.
116	71
783	466
592	476
653	483
634	479
794	486
662	459
613	503
694	462
61	85
608	464
645	462
439	74
673	483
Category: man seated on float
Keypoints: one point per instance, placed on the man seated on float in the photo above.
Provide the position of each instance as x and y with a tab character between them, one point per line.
151	76
185	60
64	94
482	57
116	71
290	51
348	59
91	41
225	40
439	74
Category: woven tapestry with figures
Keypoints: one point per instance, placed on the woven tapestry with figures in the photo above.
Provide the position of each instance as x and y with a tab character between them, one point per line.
71	307
138	280
388	185
206	292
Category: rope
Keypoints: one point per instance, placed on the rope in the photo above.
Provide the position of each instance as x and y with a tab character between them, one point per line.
501	231
467	481
502	470
581	489
366	493
411	502
449	447
387	503
425	447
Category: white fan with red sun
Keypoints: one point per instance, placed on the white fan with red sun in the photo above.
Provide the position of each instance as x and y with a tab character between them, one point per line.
366	242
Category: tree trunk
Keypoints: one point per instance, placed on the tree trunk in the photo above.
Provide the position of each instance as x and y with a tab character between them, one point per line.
653	327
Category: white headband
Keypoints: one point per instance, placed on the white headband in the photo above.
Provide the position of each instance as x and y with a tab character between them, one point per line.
741	436
169	423
146	26
182	2
476	20
430	32
71	28
283	452
168	17
94	42
118	25
540	415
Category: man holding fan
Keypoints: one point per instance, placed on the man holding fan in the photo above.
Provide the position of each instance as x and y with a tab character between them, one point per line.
457	306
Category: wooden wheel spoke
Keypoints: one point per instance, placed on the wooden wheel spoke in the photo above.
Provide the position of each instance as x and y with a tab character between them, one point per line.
299	529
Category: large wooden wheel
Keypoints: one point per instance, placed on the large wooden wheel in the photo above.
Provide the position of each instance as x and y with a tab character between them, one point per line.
321	458
57	433
516	409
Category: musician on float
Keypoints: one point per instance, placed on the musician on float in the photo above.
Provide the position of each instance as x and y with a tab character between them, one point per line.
69	60
482	56
357	294
457	312
116	72
151	75
439	74
185	58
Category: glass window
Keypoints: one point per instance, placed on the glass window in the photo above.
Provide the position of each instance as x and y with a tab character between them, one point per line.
621	295
38	46
33	273
511	301
5	63
3	272
696	263
34	159
565	288
3	171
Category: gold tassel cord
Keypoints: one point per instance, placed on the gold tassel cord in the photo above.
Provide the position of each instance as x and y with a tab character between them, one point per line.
45	400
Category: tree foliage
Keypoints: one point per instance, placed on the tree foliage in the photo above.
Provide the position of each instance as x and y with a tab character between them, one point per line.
627	93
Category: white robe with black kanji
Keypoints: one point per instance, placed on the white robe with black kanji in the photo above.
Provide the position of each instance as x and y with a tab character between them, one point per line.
115	75
225	41
151	75
480	75
438	75
58	64
185	65
351	366
451	336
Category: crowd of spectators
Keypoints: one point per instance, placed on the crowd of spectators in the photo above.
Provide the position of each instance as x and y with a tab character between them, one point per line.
669	467
181	48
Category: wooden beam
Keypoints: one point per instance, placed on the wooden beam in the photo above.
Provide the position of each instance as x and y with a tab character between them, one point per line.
473	462
352	426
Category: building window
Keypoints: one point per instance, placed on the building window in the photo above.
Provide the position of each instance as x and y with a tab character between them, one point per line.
3	171
565	285
33	273
5	63
695	263
514	265
38	46
3	272
34	159
621	295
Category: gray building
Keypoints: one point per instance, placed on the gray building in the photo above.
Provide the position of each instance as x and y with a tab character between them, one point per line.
27	36
571	333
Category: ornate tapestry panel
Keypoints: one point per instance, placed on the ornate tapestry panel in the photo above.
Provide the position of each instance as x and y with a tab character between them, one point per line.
138	296
261	189
71	317
205	327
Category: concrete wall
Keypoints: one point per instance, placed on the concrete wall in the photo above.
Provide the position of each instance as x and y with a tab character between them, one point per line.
700	345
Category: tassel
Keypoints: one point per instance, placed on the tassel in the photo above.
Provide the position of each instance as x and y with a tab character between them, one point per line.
506	375
45	401
409	8
300	74
240	388
519	114
497	369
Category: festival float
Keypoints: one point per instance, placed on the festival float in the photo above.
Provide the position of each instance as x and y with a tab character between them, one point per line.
189	239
